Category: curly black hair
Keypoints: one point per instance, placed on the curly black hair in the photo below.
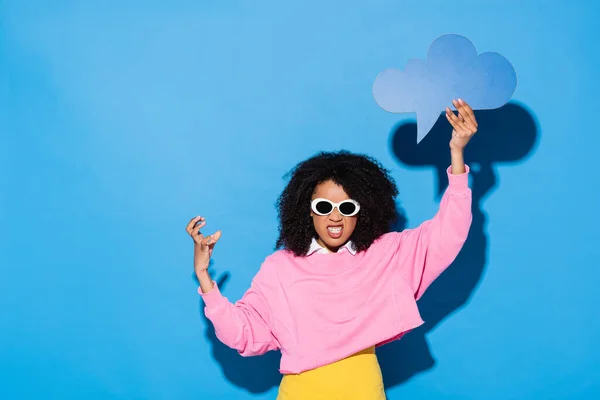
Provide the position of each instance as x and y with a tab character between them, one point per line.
363	179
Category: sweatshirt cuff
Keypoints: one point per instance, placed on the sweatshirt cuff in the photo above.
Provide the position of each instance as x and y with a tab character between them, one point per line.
213	298
458	183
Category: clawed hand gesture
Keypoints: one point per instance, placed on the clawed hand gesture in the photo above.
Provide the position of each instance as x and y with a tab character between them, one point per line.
203	245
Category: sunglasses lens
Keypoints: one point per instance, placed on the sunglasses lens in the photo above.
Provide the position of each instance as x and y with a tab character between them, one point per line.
347	208
323	207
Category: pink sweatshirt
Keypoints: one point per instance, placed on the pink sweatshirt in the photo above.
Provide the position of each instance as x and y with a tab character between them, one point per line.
324	307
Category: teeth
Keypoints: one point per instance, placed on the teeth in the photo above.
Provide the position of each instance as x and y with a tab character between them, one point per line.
335	230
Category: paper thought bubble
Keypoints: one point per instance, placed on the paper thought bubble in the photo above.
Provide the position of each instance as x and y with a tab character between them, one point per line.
453	70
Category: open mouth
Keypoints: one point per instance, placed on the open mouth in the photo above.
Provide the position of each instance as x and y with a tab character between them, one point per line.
335	232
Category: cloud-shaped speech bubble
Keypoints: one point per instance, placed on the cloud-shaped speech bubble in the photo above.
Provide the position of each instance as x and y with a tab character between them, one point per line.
453	70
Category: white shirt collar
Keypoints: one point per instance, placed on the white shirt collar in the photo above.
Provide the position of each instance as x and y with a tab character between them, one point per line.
315	247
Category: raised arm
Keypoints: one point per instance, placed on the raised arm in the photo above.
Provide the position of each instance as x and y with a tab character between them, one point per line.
246	325
425	252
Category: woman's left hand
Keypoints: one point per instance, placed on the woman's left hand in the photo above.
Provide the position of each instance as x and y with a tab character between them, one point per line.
465	124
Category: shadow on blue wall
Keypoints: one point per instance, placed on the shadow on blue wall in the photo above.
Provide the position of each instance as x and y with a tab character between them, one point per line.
255	374
506	135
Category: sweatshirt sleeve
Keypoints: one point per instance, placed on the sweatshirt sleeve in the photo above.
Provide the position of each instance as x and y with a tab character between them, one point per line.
424	252
246	324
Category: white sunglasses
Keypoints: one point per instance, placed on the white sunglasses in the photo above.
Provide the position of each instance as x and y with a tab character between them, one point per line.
347	208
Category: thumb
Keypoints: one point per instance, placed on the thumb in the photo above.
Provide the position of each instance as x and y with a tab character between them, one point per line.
214	238
211	240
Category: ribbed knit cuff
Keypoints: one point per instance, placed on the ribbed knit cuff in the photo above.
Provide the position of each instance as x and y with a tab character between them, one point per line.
458	183
213	298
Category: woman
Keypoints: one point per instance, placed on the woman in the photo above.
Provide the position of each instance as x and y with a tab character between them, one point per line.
341	283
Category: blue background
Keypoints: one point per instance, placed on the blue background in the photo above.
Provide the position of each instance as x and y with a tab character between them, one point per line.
120	121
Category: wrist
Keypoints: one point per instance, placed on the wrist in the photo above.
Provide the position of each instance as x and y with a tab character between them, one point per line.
456	152
205	281
458	163
201	274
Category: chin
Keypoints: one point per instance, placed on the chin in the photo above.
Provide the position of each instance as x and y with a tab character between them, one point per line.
335	242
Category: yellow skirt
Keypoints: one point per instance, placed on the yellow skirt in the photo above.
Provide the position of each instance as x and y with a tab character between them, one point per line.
356	377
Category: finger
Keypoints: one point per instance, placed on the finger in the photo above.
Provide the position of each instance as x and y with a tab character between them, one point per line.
468	120
449	118
470	125
196	234
465	118
199	225
193	229
213	241
458	118
468	111
192	223
210	241
456	123
460	108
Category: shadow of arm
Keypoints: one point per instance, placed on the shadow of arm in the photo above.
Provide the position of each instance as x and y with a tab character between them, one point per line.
246	324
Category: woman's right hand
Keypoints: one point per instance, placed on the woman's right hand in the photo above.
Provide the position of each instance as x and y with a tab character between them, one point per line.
203	245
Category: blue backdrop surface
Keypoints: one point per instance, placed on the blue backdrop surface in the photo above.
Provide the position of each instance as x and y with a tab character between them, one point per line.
119	121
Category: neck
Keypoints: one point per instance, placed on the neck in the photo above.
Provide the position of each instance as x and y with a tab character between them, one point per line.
328	248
